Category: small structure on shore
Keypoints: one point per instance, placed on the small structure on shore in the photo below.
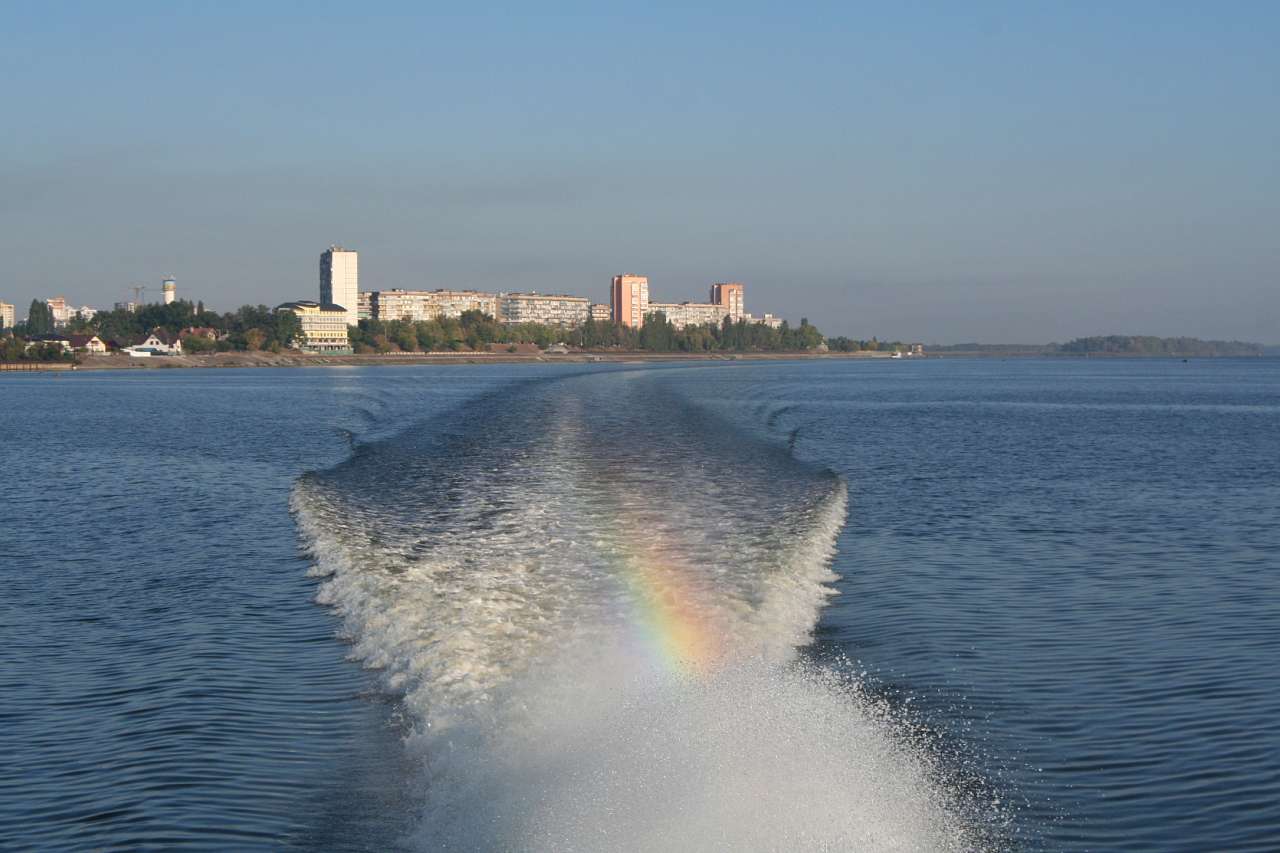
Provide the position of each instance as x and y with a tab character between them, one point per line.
88	343
158	342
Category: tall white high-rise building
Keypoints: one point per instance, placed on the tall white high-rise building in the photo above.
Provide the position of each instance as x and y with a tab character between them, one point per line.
169	289
340	281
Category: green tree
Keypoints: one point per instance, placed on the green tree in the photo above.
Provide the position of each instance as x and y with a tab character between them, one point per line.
429	334
39	318
197	344
406	337
11	348
286	330
657	334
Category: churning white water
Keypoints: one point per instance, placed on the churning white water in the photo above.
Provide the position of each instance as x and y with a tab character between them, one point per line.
587	595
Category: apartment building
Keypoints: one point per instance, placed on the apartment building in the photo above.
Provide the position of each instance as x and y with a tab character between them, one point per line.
62	312
682	314
547	309
730	295
8	316
417	305
629	303
629	300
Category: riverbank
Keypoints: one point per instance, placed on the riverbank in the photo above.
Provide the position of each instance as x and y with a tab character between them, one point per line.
297	359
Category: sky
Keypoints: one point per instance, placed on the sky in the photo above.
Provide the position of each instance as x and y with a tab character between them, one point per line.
946	172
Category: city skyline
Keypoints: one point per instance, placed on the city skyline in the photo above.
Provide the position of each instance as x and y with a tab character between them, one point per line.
926	173
340	289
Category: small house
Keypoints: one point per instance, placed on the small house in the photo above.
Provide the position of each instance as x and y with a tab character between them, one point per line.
160	342
88	343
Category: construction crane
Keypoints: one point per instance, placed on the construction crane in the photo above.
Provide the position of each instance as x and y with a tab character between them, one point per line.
138	290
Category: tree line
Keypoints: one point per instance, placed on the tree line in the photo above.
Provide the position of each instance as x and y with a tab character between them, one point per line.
262	328
475	330
1153	346
1131	345
16	349
250	327
843	344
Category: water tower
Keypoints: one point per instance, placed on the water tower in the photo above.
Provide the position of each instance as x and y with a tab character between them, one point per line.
170	289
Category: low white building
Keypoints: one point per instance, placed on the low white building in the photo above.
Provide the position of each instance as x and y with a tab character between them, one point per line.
768	320
324	327
42	340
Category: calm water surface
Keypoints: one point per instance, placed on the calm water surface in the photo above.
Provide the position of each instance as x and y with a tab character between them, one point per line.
336	609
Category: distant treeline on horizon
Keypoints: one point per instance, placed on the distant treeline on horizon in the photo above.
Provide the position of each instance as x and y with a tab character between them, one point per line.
1137	345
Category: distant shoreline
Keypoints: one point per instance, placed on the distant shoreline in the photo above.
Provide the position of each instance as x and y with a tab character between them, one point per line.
295	359
267	359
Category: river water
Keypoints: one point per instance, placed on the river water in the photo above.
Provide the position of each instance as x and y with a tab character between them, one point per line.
916	605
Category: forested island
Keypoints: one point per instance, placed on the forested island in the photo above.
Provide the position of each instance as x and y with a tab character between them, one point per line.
1152	346
1117	345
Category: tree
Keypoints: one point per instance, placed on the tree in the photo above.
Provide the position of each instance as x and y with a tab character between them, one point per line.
286	329
429	335
197	343
658	334
49	351
39	318
11	348
406	337
254	339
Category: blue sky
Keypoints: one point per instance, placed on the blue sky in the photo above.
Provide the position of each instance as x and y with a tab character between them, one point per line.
941	172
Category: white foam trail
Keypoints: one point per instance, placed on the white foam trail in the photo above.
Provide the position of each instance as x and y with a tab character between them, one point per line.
498	614
599	756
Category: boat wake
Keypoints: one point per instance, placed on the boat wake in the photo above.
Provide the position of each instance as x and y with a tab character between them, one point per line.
587	594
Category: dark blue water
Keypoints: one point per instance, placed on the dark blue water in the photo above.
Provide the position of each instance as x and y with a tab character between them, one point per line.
1074	567
1061	576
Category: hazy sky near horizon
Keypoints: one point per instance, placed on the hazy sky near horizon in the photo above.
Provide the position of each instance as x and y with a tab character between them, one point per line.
942	172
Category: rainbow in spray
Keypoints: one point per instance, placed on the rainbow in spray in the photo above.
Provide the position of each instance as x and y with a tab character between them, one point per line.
674	621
